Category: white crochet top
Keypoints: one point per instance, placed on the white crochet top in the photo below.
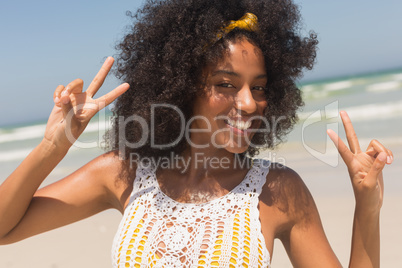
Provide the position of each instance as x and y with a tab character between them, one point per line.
157	231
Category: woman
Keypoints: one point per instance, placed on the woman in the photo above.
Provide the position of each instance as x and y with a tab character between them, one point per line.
210	82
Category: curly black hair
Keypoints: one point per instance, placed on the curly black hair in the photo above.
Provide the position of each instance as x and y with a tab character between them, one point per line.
163	55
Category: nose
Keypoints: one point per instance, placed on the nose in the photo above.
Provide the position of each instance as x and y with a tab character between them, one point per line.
245	101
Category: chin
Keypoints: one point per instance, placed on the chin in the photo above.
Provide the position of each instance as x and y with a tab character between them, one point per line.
235	145
236	149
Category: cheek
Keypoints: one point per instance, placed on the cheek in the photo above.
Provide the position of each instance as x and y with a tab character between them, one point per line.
219	105
262	105
222	97
213	105
207	111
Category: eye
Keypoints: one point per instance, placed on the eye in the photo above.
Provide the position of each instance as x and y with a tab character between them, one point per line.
225	85
259	88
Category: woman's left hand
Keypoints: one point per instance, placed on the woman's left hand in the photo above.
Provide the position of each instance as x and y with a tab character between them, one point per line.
365	168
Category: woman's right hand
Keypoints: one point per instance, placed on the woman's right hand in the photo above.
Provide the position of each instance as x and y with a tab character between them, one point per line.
23	208
74	108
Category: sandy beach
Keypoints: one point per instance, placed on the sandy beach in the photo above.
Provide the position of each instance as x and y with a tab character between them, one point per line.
88	243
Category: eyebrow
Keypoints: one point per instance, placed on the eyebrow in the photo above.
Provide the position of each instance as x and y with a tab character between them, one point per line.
231	73
217	72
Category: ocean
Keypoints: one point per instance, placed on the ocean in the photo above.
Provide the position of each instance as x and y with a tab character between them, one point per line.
373	102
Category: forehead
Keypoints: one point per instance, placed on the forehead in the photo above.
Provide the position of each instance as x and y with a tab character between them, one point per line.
242	55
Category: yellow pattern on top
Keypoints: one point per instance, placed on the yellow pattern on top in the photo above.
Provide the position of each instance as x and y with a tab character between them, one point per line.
157	231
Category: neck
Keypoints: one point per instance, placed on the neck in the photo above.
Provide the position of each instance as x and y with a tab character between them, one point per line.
201	175
199	164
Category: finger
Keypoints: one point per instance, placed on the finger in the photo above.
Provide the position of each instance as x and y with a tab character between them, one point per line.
75	86
375	147
66	104
376	169
343	150
391	154
56	94
65	96
350	133
108	98
97	82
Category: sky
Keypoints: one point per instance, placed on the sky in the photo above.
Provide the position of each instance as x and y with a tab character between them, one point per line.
47	43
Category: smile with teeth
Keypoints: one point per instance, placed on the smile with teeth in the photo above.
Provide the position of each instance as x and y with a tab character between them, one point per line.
241	125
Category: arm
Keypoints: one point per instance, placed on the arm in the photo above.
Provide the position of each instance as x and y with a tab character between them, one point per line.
365	171
87	191
365	250
289	206
300	229
19	188
72	111
304	238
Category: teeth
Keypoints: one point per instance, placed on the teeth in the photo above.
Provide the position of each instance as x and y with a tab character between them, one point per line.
239	124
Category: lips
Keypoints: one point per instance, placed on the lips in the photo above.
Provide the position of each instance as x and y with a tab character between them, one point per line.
239	127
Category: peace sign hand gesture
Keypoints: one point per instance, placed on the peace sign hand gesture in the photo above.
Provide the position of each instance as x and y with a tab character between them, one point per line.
365	168
74	107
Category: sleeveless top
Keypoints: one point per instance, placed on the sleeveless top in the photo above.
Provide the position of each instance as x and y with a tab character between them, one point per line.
157	231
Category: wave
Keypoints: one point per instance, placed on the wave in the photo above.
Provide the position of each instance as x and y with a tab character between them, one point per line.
37	131
385	86
14	155
338	85
376	83
397	77
367	112
23	133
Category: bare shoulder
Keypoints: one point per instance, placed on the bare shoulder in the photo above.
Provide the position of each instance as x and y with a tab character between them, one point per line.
284	186
116	174
105	180
288	212
107	166
286	195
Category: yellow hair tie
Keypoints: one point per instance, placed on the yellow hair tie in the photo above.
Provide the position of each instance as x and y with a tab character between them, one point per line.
248	22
